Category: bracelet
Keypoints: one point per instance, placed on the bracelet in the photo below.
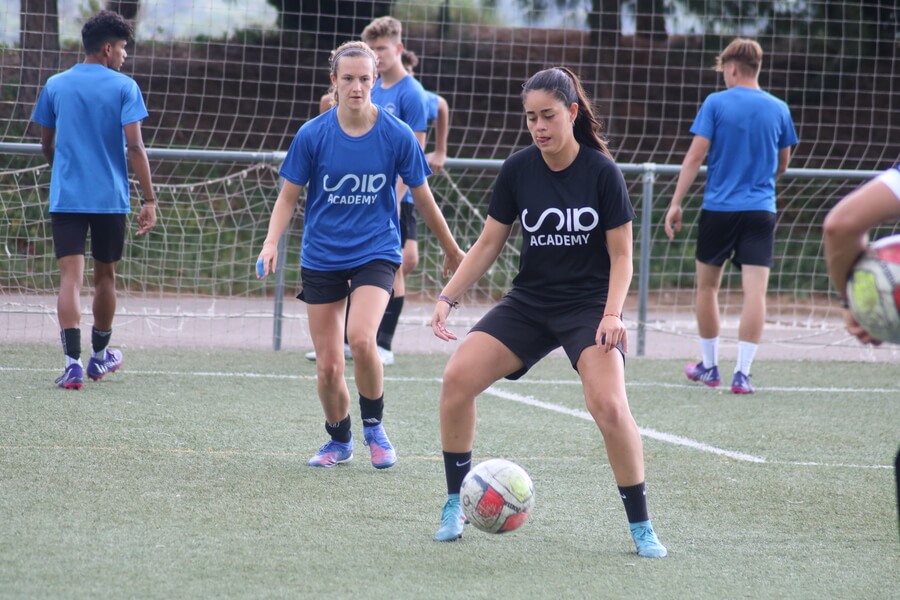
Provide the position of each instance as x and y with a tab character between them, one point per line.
150	201
448	300
612	315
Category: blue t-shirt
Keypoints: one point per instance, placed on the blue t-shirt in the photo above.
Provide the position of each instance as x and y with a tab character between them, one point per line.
431	106
407	101
351	202
747	128
88	105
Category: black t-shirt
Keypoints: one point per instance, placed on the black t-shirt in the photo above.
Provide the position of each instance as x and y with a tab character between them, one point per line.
564	217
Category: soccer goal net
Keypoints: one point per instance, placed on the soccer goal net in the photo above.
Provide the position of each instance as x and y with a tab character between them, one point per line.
225	76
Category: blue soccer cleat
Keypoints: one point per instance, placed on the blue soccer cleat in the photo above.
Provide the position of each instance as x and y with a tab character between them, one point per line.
72	378
697	372
648	545
332	453
110	363
383	454
452	521
741	384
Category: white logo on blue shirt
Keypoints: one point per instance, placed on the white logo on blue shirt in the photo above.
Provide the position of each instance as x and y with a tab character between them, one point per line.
363	189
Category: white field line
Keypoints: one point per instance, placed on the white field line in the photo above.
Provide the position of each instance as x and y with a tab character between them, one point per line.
574	412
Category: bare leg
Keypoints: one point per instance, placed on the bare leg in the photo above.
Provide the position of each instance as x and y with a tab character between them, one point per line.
367	306
603	377
68	303
326	327
478	362
755	283
709	278
104	306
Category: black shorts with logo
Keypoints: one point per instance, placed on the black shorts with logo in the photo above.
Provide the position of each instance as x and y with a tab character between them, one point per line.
70	232
531	333
746	237
324	287
408	223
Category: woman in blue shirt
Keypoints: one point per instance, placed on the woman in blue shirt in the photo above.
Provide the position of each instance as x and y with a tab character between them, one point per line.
349	159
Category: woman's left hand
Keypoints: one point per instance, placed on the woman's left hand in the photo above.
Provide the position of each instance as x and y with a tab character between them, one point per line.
439	321
611	333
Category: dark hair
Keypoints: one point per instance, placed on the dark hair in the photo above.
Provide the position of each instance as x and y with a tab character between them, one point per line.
409	59
105	26
566	87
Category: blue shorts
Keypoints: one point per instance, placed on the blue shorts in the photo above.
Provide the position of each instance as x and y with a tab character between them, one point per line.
746	237
325	287
531	333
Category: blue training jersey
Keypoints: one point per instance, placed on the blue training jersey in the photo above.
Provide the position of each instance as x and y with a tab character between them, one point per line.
351	202
88	105
431	106
406	100
747	128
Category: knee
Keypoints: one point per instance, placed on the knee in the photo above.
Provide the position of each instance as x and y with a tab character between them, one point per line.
329	372
361	344
457	389
610	413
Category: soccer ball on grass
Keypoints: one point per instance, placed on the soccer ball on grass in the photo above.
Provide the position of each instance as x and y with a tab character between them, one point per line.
873	289
497	496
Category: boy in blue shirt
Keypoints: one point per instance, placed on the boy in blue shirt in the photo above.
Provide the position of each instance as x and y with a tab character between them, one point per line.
748	134
401	95
438	113
90	118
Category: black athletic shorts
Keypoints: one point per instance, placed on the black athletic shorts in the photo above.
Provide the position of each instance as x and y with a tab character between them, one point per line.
70	232
324	287
746	237
533	333
408	223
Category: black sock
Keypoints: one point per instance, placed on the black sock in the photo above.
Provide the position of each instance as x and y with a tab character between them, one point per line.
456	466
635	499
389	322
99	339
71	342
371	411
340	431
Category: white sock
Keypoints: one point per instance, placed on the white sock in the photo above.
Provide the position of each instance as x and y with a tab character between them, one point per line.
746	352
710	349
99	355
70	360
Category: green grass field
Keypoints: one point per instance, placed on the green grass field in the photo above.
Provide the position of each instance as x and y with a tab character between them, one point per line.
184	476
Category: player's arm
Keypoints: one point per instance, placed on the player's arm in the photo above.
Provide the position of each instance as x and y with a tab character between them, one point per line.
282	213
140	165
431	214
847	224
784	157
478	260
690	166
619	244
48	143
437	158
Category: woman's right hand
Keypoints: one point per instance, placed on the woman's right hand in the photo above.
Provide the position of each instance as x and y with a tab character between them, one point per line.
439	321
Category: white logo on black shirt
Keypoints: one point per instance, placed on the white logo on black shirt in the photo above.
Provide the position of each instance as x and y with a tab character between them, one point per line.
363	189
573	221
